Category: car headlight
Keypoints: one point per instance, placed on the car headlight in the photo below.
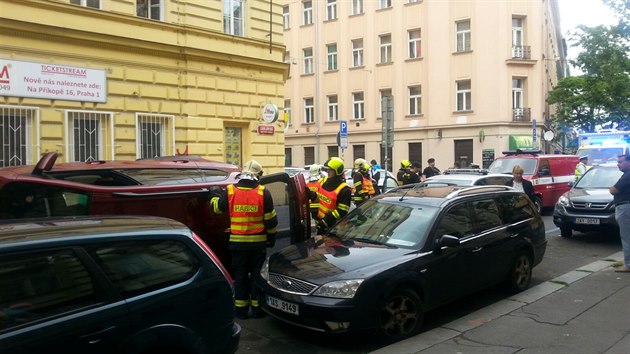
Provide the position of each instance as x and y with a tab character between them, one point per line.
564	201
343	289
264	271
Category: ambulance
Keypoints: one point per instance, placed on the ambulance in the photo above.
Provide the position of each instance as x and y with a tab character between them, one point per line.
603	146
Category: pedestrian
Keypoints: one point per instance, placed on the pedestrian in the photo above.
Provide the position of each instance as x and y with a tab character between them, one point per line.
253	222
520	184
581	168
334	196
315	179
374	167
375	173
621	198
362	184
430	170
404	168
412	176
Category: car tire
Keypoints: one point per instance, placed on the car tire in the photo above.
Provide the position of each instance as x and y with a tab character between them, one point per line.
566	231
400	315
521	273
538	204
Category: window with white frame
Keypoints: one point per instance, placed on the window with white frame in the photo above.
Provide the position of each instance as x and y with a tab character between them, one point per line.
233	17
287	112
151	9
87	3
331	50
18	132
384	93
307	12
357	7
155	136
358	105
331	9
415	100
333	108
307	53
89	134
463	95
463	36
285	17
386	48
309	111
357	52
517	93
233	138
414	43
384	4
517	31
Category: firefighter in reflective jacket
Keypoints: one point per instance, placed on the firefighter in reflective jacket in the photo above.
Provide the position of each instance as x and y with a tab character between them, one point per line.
253	222
315	180
363	187
334	196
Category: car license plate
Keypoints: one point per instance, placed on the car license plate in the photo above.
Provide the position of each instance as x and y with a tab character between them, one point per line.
587	221
283	305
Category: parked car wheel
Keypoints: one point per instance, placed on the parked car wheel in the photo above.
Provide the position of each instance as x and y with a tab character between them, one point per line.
521	273
566	231
538	204
401	315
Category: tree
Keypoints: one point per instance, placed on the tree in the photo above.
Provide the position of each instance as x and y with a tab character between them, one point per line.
601	95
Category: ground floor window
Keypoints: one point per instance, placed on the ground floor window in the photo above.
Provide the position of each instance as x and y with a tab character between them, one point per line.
233	146
89	133
155	135
17	135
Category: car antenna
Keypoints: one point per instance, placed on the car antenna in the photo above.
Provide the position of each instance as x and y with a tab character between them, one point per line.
404	195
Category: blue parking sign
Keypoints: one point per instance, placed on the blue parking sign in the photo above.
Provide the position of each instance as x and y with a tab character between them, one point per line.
343	128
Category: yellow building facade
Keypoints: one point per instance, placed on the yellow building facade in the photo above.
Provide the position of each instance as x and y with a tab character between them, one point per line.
178	77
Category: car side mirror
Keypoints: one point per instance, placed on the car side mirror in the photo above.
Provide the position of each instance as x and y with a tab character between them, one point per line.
571	183
446	241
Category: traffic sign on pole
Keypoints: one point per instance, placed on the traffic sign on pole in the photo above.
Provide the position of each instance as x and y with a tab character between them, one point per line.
343	127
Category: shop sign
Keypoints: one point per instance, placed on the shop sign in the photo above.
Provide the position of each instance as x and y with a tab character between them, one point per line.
52	81
266	129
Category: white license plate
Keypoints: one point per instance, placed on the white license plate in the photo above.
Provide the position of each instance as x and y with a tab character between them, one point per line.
586	221
283	305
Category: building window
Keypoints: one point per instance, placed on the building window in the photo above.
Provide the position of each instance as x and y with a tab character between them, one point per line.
357	7
331	9
463	96
233	17
285	17
87	3
151	9
358	151
233	145
333	108
309	111
307	12
332	56
384	94
17	135
386	48
517	93
415	100
155	135
288	157
308	60
384	4
333	151
88	133
357	105
414	44
287	112
309	155
517	32
357	52
463	36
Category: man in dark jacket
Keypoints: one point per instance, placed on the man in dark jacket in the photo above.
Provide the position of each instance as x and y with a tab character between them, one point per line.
253	222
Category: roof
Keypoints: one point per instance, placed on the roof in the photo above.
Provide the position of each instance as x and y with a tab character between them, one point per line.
421	193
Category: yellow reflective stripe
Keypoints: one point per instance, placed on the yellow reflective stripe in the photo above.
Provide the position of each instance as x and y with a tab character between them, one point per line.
358	183
240	219
271	231
254	303
343	207
241	303
261	190
248	238
314	205
230	189
247	227
335	213
214	202
270	215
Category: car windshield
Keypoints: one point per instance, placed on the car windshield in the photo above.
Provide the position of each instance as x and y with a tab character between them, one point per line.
386	223
599	178
506	165
600	155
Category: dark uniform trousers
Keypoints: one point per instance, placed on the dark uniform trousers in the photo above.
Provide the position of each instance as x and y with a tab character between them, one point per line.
245	263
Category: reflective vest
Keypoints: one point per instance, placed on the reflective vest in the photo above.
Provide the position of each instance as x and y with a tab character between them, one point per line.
328	200
577	172
368	186
247	212
314	186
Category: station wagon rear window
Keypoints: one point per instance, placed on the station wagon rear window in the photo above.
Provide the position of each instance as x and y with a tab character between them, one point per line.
144	177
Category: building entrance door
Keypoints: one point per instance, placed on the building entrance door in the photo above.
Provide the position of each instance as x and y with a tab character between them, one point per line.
463	153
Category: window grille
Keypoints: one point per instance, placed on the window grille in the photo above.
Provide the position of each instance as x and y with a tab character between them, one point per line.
89	133
18	130
155	135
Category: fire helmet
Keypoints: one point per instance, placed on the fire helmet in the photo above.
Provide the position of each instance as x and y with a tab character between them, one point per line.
335	164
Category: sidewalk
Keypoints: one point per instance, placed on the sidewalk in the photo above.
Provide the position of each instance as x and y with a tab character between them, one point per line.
584	311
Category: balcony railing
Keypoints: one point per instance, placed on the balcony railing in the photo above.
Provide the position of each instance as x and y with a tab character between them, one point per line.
521	114
521	52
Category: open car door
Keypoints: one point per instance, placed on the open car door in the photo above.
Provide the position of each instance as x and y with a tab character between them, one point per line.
291	204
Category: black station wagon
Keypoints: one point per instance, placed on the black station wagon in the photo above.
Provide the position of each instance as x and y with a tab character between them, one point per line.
398	255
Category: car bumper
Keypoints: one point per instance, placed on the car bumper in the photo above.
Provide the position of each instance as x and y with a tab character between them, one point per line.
581	220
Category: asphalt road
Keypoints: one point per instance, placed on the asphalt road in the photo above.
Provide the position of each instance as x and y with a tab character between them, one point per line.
268	335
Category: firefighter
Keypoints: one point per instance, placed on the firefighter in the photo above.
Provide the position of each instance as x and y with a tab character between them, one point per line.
315	179
404	168
334	196
362	186
253	222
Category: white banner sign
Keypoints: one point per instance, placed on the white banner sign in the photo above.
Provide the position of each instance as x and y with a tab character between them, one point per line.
52	81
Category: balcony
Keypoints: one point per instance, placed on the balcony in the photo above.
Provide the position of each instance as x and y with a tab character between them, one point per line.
521	52
521	115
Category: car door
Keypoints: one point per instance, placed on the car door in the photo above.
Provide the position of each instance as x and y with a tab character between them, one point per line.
53	300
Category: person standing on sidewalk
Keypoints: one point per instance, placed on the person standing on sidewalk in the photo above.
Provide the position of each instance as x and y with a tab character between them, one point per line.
253	223
621	198
430	170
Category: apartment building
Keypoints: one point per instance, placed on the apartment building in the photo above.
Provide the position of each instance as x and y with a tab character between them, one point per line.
457	80
127	79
